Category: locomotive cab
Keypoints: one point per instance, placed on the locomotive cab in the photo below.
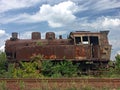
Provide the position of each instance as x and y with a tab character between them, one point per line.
84	37
91	45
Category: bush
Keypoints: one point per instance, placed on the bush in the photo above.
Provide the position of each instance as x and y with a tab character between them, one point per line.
58	69
46	68
114	69
117	66
3	63
24	69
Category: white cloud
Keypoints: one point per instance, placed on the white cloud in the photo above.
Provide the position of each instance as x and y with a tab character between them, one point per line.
88	4
2	32
3	37
98	5
106	4
101	23
6	5
56	16
111	22
2	48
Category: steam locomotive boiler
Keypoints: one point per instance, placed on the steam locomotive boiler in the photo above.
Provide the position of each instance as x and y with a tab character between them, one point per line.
80	46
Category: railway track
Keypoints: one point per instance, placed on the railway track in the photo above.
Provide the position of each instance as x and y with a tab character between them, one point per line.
31	84
61	80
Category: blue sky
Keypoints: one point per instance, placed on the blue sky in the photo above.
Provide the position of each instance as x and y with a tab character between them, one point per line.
61	17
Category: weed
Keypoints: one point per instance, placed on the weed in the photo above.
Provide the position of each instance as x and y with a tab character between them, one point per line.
22	85
3	85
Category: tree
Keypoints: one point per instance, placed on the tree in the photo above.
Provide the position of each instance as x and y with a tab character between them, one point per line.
117	66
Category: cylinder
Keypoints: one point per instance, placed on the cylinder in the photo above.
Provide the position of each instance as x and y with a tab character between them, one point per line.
14	35
50	35
36	35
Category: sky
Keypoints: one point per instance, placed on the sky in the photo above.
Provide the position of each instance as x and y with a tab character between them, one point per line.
61	17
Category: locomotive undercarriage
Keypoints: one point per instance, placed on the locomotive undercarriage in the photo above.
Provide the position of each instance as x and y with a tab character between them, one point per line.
89	67
92	68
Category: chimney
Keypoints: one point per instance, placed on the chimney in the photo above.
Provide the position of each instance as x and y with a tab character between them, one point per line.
50	35
36	35
15	35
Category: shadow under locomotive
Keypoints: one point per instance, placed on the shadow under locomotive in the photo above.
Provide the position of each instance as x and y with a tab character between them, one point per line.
90	49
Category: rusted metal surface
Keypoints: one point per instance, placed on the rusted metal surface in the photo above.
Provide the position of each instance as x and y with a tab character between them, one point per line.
80	46
48	51
91	50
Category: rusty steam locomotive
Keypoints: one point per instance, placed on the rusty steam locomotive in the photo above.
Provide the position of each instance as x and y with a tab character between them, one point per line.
80	46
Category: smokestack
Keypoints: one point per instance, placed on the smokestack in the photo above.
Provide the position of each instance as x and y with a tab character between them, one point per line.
15	35
36	35
50	35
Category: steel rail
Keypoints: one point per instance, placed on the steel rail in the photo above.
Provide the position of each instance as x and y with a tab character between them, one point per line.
61	80
14	84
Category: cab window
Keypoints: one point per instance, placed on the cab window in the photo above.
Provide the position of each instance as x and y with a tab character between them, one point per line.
85	40
94	40
77	40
